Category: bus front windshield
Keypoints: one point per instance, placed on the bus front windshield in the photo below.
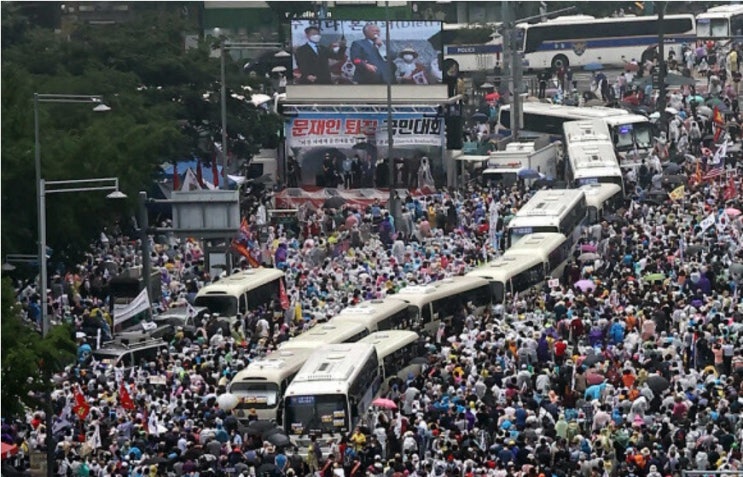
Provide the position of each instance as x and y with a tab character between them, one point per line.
258	395
316	414
712	28
499	292
592	214
223	304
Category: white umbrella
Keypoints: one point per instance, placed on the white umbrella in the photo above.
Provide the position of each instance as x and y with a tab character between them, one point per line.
672	111
278	69
227	401
258	99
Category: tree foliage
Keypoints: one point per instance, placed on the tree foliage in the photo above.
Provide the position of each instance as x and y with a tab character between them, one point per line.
165	108
28	361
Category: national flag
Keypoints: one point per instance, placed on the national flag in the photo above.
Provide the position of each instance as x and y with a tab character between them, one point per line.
176	177
718	133
708	222
200	174
190	310
283	296
81	407
677	193
730	190
722	222
215	169
720	153
713	173
125	399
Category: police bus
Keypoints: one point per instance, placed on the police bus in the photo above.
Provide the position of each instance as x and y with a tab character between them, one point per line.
240	292
558	210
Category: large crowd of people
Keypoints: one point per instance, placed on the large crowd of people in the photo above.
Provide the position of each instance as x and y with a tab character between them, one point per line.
632	366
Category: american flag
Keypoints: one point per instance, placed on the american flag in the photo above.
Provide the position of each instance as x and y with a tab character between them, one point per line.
713	172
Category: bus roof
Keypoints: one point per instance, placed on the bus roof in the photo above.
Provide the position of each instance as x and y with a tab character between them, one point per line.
575	112
388	341
597	194
419	295
333	365
577	19
722	11
586	130
369	309
324	333
239	283
549	203
540	244
505	266
620	119
592	155
274	367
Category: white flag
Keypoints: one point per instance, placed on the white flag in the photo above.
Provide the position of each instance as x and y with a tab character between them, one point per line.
708	222
720	154
152	424
137	306
190	181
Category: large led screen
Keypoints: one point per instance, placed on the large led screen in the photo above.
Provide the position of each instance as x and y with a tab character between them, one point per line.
356	52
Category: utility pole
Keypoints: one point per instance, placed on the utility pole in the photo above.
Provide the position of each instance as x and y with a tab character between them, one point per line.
506	60
661	59
512	66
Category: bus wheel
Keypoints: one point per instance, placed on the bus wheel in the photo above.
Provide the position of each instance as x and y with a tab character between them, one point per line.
560	61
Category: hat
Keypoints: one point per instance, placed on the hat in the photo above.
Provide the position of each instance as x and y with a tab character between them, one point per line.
408	51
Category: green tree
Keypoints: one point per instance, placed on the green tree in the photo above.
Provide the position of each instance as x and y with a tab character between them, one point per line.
165	108
28	361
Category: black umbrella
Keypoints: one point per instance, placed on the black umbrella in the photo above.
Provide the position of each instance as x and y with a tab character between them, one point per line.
671	168
266	469
333	202
257	428
657	384
364	146
614	219
419	360
674	180
480	117
693	249
155	461
278	438
593	359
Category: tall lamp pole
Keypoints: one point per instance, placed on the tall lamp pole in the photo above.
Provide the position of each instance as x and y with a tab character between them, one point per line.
390	131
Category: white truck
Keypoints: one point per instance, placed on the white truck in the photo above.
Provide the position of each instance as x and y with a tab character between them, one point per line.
522	160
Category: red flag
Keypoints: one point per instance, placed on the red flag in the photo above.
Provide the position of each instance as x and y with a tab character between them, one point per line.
717	117
199	174
124	399
81	407
243	250
283	296
176	177
730	189
718	133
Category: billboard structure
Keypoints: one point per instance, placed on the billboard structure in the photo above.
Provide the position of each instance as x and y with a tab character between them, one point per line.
350	150
332	52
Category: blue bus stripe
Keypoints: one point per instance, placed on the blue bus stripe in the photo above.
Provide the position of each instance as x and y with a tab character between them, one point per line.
608	43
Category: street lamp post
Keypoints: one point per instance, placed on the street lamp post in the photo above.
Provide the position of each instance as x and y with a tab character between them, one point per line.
51	98
390	132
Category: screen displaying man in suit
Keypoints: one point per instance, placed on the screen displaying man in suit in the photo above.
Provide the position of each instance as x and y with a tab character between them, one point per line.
313	58
369	56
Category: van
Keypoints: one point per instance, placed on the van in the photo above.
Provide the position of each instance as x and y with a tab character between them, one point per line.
128	355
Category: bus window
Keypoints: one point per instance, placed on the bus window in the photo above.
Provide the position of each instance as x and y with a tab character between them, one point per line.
262	295
624	137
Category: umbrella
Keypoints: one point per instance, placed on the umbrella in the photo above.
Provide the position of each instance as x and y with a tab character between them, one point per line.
384	403
480	117
257	428
704	111
674	180
693	249
614	219
594	66
227	401
278	69
594	378
333	202
529	174
585	285
592	359
267	469
671	168
494	96
712	102
670	110
419	360
587	257
154	461
673	79
8	450
588	247
364	146
654	277
657	383
486	85
258	99
732	212
277	437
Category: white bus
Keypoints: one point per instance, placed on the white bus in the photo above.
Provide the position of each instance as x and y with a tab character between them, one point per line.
629	132
471	56
591	156
721	23
326	333
436	302
552	248
602	200
262	383
561	211
396	350
332	391
376	315
578	40
512	274
240	292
